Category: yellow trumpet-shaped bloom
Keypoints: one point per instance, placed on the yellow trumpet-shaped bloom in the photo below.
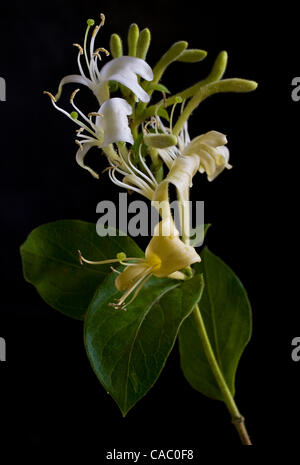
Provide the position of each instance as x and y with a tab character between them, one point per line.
165	255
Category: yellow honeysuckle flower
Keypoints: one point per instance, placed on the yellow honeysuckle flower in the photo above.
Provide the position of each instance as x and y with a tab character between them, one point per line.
165	256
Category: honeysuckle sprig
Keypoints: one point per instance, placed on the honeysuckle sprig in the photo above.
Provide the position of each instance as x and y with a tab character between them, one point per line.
124	69
98	129
165	256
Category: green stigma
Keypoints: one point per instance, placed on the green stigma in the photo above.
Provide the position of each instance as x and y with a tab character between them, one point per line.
90	22
178	99
74	114
121	256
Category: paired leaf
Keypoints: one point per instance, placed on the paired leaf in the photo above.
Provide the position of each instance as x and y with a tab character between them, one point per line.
128	349
51	263
226	312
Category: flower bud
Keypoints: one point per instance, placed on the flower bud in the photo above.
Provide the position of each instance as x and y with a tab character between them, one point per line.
160	141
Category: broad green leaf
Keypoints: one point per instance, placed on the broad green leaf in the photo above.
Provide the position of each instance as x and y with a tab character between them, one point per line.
51	263
226	311
128	349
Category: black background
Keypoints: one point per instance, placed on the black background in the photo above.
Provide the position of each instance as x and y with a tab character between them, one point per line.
50	396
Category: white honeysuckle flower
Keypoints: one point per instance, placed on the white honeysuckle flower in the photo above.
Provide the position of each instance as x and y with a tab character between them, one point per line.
134	179
124	70
212	153
209	148
110	125
205	153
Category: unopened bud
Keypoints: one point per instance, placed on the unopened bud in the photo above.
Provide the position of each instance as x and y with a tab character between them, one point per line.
192	55
143	44
116	46
160	141
133	36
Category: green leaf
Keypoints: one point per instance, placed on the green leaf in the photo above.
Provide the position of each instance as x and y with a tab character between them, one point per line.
128	349
226	312
51	263
163	113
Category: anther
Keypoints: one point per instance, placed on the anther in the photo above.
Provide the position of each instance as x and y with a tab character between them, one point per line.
96	28
79	131
93	113
97	55
80	48
73	95
101	49
79	143
102	16
50	95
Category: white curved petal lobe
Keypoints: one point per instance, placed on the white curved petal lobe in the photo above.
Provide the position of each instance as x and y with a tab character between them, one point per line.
114	122
125	70
72	79
81	153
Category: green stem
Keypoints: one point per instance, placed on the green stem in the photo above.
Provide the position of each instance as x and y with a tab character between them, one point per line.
237	418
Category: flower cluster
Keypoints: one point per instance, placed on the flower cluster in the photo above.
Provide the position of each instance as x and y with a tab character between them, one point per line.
144	154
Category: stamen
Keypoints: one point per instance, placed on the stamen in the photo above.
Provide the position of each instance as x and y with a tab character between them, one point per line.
79	143
103	262
50	95
114	270
94	113
73	95
96	54
102	16
79	130
96	29
101	49
80	48
120	303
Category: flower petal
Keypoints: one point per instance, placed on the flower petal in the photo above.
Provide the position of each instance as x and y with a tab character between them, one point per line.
125	70
81	153
169	251
114	122
212	138
72	79
129	276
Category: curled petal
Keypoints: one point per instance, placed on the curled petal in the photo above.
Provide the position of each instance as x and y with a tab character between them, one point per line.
72	79
125	70
221	162
212	138
114	122
168	254
129	276
183	170
81	153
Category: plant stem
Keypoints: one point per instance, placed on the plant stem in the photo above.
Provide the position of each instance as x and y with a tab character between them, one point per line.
237	418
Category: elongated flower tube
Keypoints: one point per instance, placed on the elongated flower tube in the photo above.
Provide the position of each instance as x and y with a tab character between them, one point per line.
124	69
165	256
110	124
